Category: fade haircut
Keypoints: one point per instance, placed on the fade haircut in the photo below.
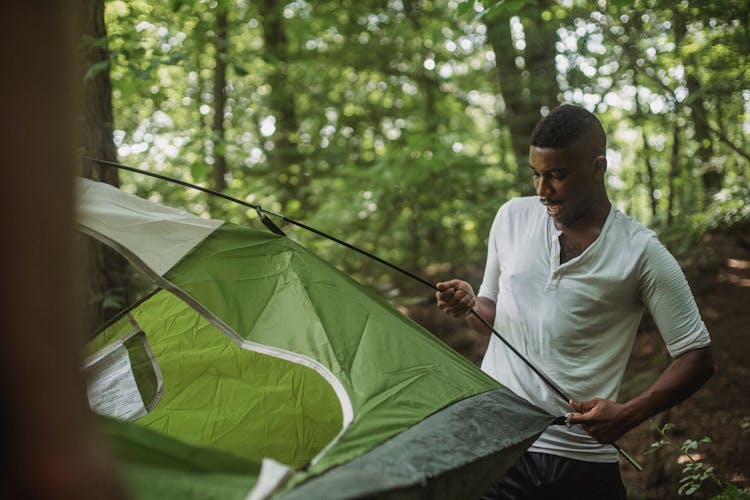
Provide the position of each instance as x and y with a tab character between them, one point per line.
564	125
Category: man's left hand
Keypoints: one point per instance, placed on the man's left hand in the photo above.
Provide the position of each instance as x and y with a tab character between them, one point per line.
605	420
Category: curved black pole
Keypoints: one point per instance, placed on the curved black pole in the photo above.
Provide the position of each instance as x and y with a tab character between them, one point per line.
272	227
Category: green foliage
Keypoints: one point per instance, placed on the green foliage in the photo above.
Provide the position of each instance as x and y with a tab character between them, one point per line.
96	69
730	207
385	124
695	472
491	9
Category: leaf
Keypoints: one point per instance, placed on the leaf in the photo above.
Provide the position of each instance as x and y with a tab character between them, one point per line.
688	468
96	69
464	7
692	489
514	5
493	10
621	3
176	58
139	73
503	5
689	444
96	43
111	301
239	70
198	171
177	5
269	58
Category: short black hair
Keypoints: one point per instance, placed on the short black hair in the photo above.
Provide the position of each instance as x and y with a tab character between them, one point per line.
563	125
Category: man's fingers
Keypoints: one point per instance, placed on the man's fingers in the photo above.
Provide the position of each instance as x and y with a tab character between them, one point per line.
583	406
449	294
459	307
577	418
455	297
444	294
582	409
444	285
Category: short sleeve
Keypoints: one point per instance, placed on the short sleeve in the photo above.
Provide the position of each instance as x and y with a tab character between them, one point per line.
667	295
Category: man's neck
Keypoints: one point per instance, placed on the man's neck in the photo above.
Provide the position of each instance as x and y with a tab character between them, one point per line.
591	224
577	237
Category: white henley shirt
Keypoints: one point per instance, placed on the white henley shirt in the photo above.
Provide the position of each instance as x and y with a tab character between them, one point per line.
577	321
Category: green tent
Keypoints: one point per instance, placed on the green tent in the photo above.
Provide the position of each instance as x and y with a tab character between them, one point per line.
258	370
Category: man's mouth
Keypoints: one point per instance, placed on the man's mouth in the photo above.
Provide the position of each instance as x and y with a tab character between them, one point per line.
553	206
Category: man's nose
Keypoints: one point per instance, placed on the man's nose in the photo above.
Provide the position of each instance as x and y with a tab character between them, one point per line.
542	187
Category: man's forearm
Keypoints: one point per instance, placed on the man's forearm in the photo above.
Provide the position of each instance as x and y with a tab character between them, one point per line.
679	381
608	420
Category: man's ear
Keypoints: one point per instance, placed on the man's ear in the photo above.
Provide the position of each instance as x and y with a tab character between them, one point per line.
600	163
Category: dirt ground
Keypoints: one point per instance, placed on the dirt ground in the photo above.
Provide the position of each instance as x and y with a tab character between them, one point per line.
719	275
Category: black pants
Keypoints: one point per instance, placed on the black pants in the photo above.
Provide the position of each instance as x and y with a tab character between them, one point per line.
539	476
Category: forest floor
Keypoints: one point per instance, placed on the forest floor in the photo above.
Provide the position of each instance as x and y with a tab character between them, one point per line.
719	275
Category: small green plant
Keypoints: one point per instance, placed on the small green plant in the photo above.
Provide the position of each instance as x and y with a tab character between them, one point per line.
695	472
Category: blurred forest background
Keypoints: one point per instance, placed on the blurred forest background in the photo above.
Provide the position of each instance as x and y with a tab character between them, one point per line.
401	126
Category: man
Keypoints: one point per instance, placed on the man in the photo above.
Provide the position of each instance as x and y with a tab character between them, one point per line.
567	279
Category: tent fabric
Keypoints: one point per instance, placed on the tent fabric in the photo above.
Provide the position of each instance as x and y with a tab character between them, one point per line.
215	393
160	236
438	451
254	348
330	318
157	467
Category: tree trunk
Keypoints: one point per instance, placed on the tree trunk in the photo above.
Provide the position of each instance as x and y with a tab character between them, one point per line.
98	123
50	446
107	270
525	91
650	174
220	99
427	84
284	158
674	172
650	171
711	176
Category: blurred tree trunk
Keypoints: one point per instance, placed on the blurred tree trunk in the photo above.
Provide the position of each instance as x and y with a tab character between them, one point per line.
711	176
50	446
429	89
427	84
284	157
650	171
674	173
650	174
98	123
220	99
525	90
107	270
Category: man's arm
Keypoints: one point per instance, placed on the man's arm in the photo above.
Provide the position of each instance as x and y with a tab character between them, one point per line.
457	298
607	420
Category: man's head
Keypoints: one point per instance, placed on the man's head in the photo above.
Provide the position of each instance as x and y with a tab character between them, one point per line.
567	157
568	124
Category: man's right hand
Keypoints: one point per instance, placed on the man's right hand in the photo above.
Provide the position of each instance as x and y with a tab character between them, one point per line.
455	297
